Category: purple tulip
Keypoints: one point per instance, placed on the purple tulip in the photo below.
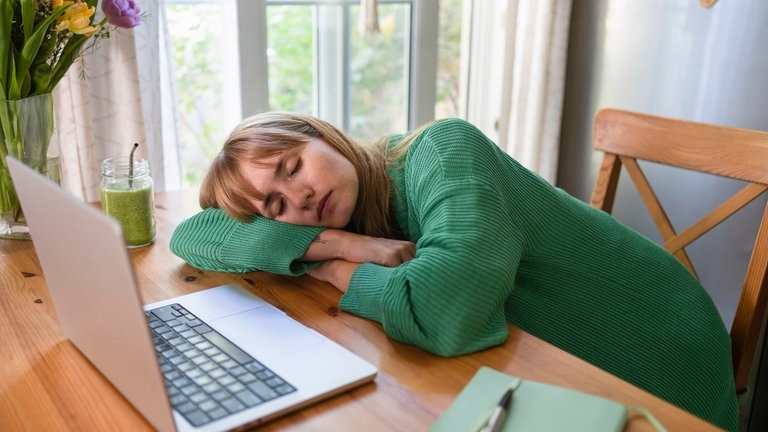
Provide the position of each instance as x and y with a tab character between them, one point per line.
121	13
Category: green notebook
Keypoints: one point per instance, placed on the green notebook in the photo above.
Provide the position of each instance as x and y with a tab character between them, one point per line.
534	407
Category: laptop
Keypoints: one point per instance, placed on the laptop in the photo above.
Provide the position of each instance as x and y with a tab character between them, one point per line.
218	359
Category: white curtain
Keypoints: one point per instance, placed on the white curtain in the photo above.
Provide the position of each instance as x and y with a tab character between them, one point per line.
110	100
517	84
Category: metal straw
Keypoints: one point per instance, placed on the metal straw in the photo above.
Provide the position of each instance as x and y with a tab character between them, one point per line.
130	166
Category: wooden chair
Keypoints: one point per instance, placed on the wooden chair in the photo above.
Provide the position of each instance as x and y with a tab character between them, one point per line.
626	137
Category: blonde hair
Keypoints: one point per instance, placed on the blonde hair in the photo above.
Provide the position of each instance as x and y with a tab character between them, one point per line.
267	134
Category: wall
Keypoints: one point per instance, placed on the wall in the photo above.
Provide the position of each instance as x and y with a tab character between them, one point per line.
671	58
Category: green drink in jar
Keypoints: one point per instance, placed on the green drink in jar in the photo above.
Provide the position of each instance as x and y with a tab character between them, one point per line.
127	196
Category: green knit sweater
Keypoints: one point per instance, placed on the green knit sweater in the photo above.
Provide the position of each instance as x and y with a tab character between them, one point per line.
495	243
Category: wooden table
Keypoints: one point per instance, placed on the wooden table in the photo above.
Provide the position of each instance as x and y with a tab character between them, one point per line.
47	385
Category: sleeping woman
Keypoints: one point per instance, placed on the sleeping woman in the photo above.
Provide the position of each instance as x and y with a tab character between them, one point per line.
444	239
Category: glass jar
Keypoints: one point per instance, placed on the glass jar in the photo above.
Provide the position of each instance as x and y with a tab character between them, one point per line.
127	196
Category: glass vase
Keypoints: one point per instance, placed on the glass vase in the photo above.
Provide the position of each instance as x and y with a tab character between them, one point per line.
26	127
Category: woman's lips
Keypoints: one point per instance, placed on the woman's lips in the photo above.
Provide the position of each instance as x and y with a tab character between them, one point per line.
322	206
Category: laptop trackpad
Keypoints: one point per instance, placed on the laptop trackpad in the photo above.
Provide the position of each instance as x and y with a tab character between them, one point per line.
265	332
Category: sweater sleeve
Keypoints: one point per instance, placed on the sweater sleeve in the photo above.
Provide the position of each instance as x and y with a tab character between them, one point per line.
211	240
450	298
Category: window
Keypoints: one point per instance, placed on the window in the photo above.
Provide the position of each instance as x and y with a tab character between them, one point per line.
315	61
205	85
319	63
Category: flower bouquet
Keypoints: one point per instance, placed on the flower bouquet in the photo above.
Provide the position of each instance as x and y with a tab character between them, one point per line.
41	39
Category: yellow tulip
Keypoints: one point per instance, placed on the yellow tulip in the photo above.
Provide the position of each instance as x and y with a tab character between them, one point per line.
77	18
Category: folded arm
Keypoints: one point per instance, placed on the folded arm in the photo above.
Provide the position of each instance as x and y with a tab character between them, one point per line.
211	240
450	298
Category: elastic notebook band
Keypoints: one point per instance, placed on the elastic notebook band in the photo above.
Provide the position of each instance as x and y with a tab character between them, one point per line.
647	414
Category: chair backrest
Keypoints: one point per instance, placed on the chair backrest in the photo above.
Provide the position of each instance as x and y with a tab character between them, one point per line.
626	137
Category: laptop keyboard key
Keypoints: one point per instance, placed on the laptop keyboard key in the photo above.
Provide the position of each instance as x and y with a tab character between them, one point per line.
248	398
165	313
285	389
228	347
208	405
218	413
196	418
232	405
262	390
202	329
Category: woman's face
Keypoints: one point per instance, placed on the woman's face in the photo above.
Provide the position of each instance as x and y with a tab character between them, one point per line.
312	184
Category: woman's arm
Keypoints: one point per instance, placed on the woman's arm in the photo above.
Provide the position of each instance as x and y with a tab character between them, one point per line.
211	240
358	248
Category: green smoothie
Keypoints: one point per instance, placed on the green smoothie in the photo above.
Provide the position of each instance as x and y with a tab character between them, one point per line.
134	210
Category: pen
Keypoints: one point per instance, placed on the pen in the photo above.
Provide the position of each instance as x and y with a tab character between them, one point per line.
497	417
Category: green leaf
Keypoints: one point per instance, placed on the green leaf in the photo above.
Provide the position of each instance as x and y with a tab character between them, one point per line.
14	92
28	10
46	49
32	45
26	83
5	125
6	21
41	78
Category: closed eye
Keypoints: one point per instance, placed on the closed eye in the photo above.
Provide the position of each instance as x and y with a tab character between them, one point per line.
274	205
295	169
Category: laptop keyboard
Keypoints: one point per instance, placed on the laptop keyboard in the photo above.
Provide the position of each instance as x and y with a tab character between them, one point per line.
207	376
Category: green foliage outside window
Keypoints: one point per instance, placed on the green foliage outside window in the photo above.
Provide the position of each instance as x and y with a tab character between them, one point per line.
290	56
378	78
197	69
448	59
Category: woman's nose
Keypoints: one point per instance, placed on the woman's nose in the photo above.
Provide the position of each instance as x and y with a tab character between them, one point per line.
301	196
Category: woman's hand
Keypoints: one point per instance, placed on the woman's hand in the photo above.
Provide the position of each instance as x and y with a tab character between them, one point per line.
336	272
377	250
357	248
342	252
